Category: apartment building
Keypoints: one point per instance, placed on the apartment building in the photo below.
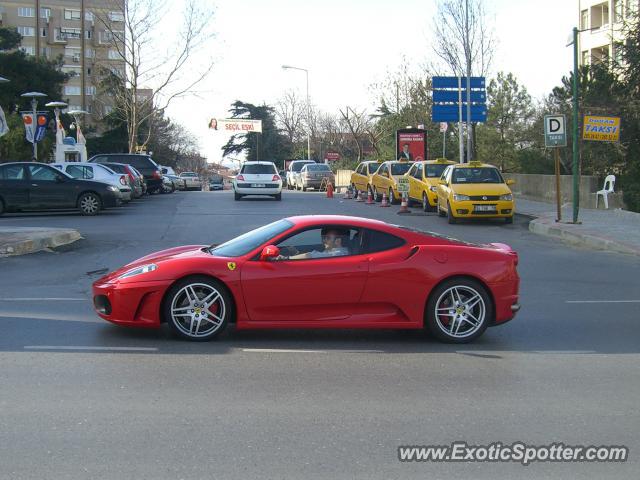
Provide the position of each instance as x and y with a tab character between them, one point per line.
600	24
84	32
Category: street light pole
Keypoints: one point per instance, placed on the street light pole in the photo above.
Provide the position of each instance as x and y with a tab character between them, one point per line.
576	173
34	119
289	67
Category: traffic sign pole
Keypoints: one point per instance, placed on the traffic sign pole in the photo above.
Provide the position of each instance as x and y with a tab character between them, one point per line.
460	139
558	194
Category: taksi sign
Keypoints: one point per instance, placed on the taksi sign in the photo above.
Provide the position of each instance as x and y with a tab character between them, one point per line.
403	185
601	129
555	131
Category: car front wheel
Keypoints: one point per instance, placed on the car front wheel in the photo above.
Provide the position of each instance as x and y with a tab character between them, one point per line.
197	308
89	204
425	203
458	311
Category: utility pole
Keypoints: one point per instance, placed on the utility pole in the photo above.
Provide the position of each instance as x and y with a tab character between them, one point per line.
83	78
37	29
467	54
576	172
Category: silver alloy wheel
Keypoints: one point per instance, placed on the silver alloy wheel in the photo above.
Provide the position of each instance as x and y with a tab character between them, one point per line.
198	310
89	204
460	311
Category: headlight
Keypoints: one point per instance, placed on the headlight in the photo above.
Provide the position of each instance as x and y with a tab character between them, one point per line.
460	198
507	197
139	270
111	188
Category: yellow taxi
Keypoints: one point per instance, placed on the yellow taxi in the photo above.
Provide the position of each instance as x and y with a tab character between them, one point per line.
361	177
474	190
423	181
385	180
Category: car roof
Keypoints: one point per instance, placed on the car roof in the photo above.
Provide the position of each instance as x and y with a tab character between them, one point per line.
260	162
474	165
336	220
439	161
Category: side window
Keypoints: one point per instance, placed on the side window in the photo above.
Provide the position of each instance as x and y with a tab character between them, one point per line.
380	241
12	172
100	159
359	169
417	171
88	173
75	171
42	173
321	243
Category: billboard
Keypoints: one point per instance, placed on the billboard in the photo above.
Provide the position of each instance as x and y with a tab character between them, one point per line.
601	129
236	125
411	144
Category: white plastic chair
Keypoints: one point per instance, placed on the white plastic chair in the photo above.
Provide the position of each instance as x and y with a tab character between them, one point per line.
606	190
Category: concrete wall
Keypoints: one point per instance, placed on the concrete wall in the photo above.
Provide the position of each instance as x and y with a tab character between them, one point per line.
543	188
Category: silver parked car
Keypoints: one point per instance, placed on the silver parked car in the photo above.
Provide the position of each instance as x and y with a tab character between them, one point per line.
313	175
192	180
293	172
99	173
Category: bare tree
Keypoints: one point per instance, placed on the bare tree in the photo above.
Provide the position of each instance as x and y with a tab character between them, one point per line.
163	75
357	123
290	112
457	49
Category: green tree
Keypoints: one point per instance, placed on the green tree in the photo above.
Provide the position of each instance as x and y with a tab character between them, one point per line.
270	145
510	112
9	38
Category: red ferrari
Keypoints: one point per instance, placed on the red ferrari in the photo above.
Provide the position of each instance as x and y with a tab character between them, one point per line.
318	272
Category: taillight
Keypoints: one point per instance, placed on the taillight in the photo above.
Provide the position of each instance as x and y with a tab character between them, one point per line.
157	175
131	177
123	179
275	178
240	177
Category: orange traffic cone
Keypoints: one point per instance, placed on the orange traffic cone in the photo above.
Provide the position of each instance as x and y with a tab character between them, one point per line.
385	201
369	198
329	190
404	208
359	196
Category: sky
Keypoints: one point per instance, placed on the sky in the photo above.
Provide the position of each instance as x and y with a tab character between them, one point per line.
349	44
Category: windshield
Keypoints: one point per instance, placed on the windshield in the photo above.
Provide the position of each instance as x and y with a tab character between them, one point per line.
251	240
476	175
318	168
373	167
297	166
435	171
258	168
400	168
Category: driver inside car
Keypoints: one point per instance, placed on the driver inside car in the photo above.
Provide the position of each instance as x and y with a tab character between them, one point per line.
334	245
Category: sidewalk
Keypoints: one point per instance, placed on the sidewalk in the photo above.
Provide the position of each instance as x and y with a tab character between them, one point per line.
23	240
612	230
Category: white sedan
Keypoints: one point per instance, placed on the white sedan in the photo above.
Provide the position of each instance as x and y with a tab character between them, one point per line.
258	178
192	181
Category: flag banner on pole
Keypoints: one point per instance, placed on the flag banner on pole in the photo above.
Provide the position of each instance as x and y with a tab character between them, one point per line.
4	128
29	128
81	140
41	127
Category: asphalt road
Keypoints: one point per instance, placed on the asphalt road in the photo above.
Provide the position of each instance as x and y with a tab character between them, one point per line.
80	398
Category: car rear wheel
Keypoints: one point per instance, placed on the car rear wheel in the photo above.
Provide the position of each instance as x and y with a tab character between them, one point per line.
236	196
197	308
458	311
278	196
89	204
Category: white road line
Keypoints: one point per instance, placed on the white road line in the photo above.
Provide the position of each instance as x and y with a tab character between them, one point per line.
602	301
100	349
284	350
43	299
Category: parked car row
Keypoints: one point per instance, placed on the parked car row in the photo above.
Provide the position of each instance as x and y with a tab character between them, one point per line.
454	190
106	180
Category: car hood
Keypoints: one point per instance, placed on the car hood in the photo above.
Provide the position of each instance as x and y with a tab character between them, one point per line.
481	189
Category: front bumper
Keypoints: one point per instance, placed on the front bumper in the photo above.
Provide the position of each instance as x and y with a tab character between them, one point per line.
134	304
469	209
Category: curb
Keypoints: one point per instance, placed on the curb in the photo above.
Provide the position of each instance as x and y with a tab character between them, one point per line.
567	232
22	241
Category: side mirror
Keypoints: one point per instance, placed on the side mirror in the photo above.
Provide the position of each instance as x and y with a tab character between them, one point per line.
269	252
511	182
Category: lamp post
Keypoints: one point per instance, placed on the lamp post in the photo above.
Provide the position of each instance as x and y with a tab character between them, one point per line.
34	109
289	67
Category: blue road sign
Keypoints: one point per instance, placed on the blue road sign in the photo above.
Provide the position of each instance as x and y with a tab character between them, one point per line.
451	96
452	82
450	113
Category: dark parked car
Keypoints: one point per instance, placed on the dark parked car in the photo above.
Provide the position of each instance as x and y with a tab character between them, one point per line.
36	186
216	182
143	163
